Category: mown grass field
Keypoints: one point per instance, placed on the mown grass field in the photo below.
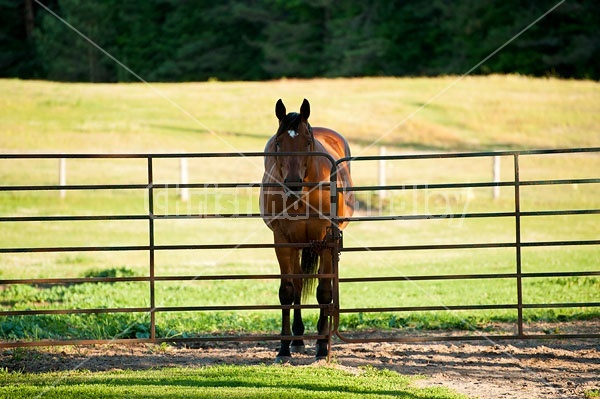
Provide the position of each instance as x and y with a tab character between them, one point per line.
220	382
483	113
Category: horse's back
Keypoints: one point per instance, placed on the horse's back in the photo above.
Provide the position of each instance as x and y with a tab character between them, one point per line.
334	143
337	146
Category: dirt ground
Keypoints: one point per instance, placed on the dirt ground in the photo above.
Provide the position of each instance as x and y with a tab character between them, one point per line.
479	369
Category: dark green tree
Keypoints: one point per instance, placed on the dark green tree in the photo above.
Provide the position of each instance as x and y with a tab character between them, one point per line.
293	37
140	42
66	55
207	39
175	40
356	43
17	50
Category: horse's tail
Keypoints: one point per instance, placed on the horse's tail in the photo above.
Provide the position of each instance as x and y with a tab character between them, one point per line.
310	265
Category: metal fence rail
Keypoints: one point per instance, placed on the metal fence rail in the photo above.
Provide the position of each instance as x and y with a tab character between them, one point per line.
335	310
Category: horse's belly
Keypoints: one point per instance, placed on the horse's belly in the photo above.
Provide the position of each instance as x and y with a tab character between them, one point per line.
306	230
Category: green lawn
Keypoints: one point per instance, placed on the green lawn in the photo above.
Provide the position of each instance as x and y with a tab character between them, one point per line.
478	113
219	382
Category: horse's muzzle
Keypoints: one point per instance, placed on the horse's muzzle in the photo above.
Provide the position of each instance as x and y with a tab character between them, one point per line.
293	187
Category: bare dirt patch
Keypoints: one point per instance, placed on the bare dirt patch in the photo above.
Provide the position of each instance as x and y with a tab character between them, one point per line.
520	369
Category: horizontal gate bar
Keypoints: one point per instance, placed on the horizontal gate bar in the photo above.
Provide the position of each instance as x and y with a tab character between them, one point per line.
467	215
249	154
158	186
322	185
157	309
129	341
286	216
465	277
156	247
81	280
87	218
282	216
468	154
261	154
550	182
561	305
450	338
559	243
468	307
427	308
36	312
295	245
223	308
76	187
468	246
467	185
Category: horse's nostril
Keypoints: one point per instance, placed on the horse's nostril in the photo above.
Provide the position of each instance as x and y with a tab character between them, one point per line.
293	184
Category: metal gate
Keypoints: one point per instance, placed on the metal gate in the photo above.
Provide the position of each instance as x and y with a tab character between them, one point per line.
335	310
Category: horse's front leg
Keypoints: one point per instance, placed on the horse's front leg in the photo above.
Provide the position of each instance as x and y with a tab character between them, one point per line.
298	325
324	297
285	257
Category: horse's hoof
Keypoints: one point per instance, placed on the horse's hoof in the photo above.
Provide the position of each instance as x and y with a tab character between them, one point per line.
298	349
322	351
319	359
283	359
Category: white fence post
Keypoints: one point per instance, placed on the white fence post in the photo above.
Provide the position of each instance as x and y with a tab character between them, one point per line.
381	176
62	176
496	176
184	192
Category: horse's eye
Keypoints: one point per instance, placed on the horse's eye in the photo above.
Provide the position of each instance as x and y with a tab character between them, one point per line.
277	146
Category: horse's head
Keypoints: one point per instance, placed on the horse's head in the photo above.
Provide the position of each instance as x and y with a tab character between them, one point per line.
293	136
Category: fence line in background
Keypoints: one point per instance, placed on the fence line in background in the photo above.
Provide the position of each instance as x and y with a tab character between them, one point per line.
382	175
496	176
62	176
381	181
184	191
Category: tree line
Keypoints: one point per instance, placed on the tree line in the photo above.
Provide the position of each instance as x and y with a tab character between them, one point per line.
183	40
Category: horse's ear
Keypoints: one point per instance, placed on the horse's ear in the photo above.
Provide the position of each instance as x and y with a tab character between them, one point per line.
305	109
280	109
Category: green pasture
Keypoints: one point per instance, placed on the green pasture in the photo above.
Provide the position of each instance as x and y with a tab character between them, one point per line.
483	113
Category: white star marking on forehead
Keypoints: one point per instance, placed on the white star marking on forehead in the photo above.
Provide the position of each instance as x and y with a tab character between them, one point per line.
292	133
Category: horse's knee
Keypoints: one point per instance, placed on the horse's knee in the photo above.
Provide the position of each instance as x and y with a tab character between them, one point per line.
286	293
324	293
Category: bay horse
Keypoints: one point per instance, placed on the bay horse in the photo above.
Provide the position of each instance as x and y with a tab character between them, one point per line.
288	172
